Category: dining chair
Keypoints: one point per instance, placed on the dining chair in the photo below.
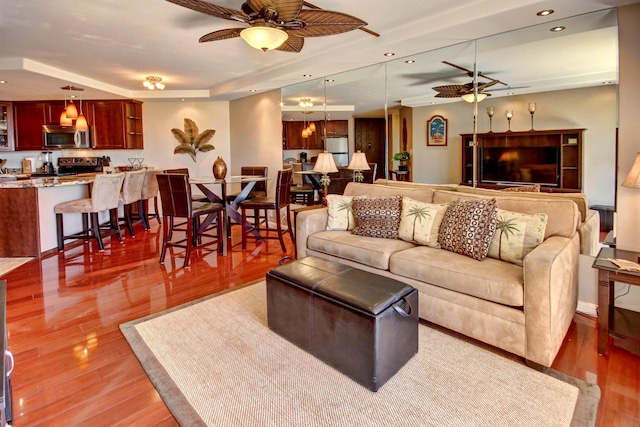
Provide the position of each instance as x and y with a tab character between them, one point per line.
105	194
177	202
259	189
131	195
276	204
300	192
370	175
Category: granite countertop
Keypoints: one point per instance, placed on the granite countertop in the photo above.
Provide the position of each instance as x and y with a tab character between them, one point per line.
60	181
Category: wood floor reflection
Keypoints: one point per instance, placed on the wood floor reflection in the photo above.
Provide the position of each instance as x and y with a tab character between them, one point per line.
74	367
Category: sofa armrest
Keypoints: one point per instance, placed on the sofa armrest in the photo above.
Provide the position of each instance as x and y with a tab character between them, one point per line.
550	296
589	232
307	223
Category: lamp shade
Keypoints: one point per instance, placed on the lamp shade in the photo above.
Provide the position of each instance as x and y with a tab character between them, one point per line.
325	163
72	111
64	120
359	162
469	97
263	37
81	123
633	179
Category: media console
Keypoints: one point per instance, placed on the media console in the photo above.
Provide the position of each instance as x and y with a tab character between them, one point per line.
551	158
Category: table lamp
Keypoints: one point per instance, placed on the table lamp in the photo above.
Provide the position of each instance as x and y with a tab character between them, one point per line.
358	163
325	165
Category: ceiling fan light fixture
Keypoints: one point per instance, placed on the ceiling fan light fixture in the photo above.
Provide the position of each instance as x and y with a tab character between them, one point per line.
153	83
469	97
264	37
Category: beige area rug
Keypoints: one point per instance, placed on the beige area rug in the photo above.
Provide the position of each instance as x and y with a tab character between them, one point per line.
8	264
216	363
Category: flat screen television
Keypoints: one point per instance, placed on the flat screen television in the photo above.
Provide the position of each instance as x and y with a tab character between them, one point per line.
520	165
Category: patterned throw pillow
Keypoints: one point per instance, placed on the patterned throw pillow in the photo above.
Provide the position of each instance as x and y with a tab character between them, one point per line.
517	234
340	210
468	227
377	216
525	188
420	222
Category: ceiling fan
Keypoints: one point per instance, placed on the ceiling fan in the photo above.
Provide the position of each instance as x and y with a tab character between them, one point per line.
466	91
276	24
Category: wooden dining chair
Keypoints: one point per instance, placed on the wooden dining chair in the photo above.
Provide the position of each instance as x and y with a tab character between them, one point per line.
259	189
300	192
175	195
105	194
276	204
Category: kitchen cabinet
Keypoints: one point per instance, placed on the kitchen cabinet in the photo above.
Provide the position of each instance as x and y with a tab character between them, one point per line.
28	120
53	110
337	127
293	139
6	126
117	124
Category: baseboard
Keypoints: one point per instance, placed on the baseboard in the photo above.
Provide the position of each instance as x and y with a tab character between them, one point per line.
587	308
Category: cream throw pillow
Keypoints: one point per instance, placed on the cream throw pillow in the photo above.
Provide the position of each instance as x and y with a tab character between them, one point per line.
420	222
517	234
340	210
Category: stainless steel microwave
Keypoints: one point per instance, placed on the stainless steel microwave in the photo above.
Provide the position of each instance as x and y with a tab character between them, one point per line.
55	136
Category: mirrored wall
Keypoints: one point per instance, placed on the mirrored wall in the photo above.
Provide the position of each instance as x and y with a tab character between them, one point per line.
570	75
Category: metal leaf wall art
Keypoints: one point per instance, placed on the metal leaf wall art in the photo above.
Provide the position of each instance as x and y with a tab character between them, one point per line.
191	141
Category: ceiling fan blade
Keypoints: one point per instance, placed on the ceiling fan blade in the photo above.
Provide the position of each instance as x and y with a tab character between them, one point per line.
451	88
292	44
325	23
366	30
488	84
469	72
212	9
288	9
448	95
229	33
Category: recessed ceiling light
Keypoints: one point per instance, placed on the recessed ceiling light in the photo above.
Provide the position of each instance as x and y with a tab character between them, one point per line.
389	54
409	61
330	80
182	99
558	29
509	93
545	12
306	75
3	81
608	82
252	90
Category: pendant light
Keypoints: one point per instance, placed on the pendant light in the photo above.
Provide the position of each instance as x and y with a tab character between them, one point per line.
64	120
72	111
81	121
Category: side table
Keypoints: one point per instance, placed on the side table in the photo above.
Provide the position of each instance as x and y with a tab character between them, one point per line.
615	321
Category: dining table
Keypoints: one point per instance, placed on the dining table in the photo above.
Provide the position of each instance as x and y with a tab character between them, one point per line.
206	184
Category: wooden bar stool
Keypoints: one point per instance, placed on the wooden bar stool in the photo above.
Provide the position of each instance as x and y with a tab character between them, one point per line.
104	197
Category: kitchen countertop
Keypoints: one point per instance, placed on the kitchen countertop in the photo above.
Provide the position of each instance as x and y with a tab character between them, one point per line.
60	181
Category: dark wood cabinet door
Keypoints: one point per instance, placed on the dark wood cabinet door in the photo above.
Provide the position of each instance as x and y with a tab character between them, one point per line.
337	127
28	118
294	140
109	124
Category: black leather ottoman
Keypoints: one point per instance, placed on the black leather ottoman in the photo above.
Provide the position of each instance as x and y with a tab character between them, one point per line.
360	323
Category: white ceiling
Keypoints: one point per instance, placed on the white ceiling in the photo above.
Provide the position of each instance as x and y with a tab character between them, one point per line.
109	46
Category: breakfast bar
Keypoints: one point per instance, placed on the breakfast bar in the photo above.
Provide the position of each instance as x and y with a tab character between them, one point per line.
27	220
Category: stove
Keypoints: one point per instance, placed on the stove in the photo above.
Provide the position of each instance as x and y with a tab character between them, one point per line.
76	165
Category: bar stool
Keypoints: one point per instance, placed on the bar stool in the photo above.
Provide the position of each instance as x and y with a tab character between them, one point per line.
150	191
175	195
131	194
281	200
104	197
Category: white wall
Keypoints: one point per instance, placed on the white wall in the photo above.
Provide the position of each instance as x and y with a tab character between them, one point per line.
592	108
256	134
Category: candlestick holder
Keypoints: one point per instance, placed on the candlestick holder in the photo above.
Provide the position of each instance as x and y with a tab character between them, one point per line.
490	113
509	115
532	109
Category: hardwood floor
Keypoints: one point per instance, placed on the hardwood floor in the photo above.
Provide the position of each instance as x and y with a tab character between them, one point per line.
74	367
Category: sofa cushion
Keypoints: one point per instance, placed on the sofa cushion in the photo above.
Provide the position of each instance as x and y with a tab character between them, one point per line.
563	216
340	209
489	279
364	250
374	190
516	235
377	216
420	222
468	227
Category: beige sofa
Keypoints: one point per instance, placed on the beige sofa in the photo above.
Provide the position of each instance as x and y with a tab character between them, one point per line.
525	310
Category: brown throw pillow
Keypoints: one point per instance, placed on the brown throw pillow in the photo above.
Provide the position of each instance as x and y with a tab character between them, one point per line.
525	188
377	216
468	227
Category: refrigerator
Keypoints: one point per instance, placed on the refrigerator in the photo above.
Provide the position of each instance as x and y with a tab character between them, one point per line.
339	147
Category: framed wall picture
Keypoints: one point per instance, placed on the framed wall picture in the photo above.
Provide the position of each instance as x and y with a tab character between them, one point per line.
437	131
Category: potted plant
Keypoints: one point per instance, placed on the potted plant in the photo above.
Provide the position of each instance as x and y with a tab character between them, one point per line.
403	158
